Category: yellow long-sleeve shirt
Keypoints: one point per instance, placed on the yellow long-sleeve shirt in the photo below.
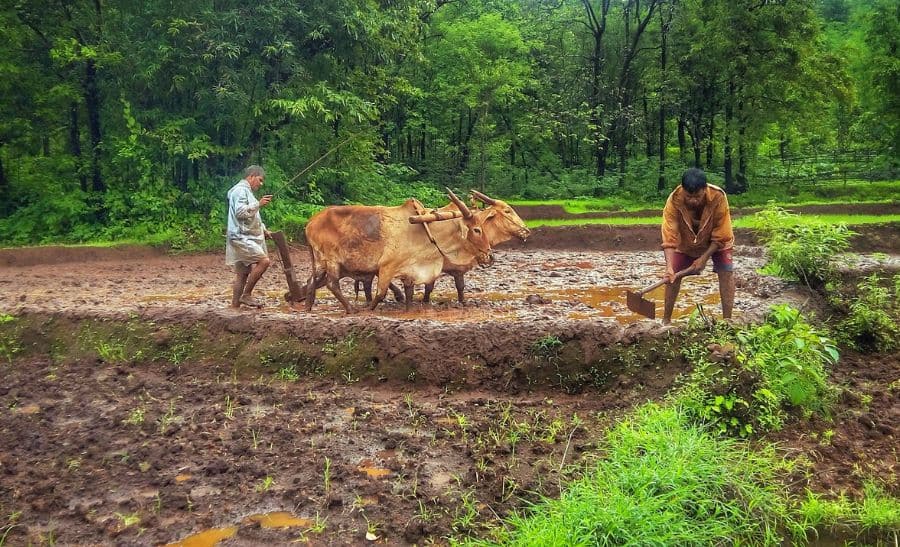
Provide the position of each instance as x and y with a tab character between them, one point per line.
715	223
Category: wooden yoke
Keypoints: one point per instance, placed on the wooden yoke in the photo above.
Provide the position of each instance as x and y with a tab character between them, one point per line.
434	216
295	293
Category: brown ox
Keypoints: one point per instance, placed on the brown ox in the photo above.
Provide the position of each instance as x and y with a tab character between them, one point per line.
500	223
359	241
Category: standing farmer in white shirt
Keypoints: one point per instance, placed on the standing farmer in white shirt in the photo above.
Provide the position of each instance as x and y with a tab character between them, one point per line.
245	246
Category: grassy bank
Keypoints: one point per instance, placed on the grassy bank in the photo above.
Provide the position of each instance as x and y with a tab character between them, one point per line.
742	222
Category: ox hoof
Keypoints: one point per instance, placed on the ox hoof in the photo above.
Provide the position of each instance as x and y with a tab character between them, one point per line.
251	302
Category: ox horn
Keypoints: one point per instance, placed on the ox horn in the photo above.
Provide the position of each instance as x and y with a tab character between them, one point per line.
482	197
459	203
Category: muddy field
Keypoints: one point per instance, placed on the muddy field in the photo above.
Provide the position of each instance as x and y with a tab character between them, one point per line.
140	410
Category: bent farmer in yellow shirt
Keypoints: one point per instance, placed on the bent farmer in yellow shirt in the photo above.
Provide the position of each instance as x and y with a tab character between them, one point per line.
696	226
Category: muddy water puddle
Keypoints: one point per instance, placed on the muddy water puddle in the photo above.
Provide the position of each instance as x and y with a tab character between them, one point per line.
576	303
275	519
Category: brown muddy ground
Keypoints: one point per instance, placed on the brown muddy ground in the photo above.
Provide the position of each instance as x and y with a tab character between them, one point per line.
100	451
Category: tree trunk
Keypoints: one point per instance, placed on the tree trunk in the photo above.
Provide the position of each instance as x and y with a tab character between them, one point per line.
682	139
92	102
5	196
726	151
75	146
648	130
782	148
598	28
661	121
741	185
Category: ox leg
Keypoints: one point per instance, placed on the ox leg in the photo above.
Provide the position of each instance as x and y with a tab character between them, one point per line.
408	287
460	286
384	282
316	280
398	294
428	288
334	285
367	287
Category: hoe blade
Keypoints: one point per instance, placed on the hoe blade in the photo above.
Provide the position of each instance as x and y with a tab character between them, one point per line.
640	305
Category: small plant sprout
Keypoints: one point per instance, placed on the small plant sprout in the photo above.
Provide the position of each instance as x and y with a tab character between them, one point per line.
167	419
129	520
327	475
229	407
288	374
265	484
135	417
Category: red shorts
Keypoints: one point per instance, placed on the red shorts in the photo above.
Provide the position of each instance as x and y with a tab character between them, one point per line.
721	261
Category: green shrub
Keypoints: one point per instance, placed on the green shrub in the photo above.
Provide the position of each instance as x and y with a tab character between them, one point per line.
766	371
664	481
871	322
798	251
792	356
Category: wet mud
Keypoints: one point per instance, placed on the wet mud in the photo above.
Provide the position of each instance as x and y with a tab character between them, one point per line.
140	410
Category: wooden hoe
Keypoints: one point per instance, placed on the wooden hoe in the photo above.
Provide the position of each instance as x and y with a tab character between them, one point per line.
640	305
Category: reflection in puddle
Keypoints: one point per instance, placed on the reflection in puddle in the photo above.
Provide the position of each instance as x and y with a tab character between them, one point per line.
279	519
206	538
367	467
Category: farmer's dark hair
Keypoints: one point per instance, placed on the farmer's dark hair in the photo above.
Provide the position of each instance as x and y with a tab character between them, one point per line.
693	179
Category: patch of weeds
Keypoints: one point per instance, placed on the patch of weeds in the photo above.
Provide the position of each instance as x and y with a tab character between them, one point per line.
111	352
547	347
465	508
713	488
288	374
179	352
265	484
135	417
747	380
129	519
12	521
9	337
872	316
73	464
801	251
167	419
352	356
876	514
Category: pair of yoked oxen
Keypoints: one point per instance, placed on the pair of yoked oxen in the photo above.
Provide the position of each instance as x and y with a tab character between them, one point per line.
405	242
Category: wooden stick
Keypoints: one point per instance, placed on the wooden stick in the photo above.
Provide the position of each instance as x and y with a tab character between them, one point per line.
435	216
296	294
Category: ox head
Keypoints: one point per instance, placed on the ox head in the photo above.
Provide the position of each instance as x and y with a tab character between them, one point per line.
475	233
500	221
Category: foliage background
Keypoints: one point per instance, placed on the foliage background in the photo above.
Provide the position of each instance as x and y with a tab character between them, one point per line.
126	120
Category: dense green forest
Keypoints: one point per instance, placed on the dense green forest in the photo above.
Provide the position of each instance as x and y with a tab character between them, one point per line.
127	119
